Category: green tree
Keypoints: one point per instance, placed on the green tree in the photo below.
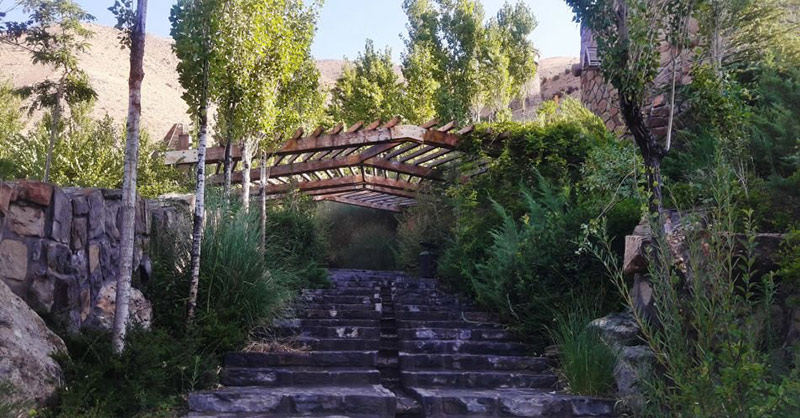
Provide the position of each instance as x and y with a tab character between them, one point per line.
194	23
470	66
369	88
259	47
629	34
55	35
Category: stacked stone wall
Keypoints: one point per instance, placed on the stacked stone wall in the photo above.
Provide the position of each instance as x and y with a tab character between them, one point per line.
59	251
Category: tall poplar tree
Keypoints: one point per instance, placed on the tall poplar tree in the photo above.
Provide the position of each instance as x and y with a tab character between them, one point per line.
194	25
134	36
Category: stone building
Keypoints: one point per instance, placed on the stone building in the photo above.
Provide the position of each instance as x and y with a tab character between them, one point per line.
601	98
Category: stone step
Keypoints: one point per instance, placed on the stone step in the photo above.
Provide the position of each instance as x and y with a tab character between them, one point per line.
409	361
478	379
365	400
464	347
316	359
344	292
455	334
460	324
365	300
340	344
443	316
336	307
335	322
509	403
331	332
345	314
298	376
430	301
434	308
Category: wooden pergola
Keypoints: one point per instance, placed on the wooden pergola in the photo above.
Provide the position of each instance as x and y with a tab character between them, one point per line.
379	165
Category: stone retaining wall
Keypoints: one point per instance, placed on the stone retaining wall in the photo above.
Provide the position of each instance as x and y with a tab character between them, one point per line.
59	250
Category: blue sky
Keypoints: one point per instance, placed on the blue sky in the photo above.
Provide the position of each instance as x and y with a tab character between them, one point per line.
345	24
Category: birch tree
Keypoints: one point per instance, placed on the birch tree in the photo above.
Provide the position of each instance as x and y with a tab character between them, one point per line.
136	41
193	26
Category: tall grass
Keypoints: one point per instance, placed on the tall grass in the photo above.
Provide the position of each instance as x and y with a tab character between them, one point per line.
587	363
712	338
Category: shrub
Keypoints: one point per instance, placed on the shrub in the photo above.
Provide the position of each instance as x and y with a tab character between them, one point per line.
89	153
148	377
587	363
712	338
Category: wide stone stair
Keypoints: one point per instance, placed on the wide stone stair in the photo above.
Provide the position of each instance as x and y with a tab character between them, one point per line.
383	344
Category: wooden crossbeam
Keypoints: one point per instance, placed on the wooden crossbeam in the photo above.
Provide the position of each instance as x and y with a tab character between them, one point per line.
347	201
325	142
381	182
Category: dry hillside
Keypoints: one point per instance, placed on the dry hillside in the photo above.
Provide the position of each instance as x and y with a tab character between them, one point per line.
107	66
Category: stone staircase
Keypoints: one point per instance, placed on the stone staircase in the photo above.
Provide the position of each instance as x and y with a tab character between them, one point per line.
383	344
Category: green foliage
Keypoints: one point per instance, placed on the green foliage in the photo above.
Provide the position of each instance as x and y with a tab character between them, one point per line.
193	23
587	363
145	380
505	222
89	154
428	222
11	122
296	240
359	238
714	328
10	406
368	89
258	48
471	66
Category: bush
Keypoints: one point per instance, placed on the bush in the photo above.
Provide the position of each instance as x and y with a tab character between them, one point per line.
148	378
713	338
89	153
587	363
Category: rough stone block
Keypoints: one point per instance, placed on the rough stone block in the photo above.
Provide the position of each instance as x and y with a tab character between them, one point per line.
97	225
79	233
635	260
7	195
94	257
26	220
41	294
61	220
102	313
13	260
35	192
113	220
59	258
80	205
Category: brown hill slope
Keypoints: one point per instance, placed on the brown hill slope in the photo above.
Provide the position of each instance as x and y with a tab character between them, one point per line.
162	105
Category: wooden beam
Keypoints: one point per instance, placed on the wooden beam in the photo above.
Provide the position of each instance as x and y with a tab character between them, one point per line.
396	134
361	204
379	182
430	124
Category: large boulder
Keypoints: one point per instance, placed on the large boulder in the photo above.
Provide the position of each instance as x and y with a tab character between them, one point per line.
26	350
102	313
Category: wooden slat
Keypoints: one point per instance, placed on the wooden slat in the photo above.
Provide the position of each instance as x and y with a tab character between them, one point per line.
317	132
432	156
399	185
466	130
374	125
417	153
448	127
430	124
355	127
362	204
298	134
336	129
393	122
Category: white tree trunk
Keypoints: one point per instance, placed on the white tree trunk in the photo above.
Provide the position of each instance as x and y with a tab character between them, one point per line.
247	159
128	231
199	205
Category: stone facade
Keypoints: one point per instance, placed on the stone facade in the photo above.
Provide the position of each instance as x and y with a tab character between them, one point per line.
59	248
601	98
